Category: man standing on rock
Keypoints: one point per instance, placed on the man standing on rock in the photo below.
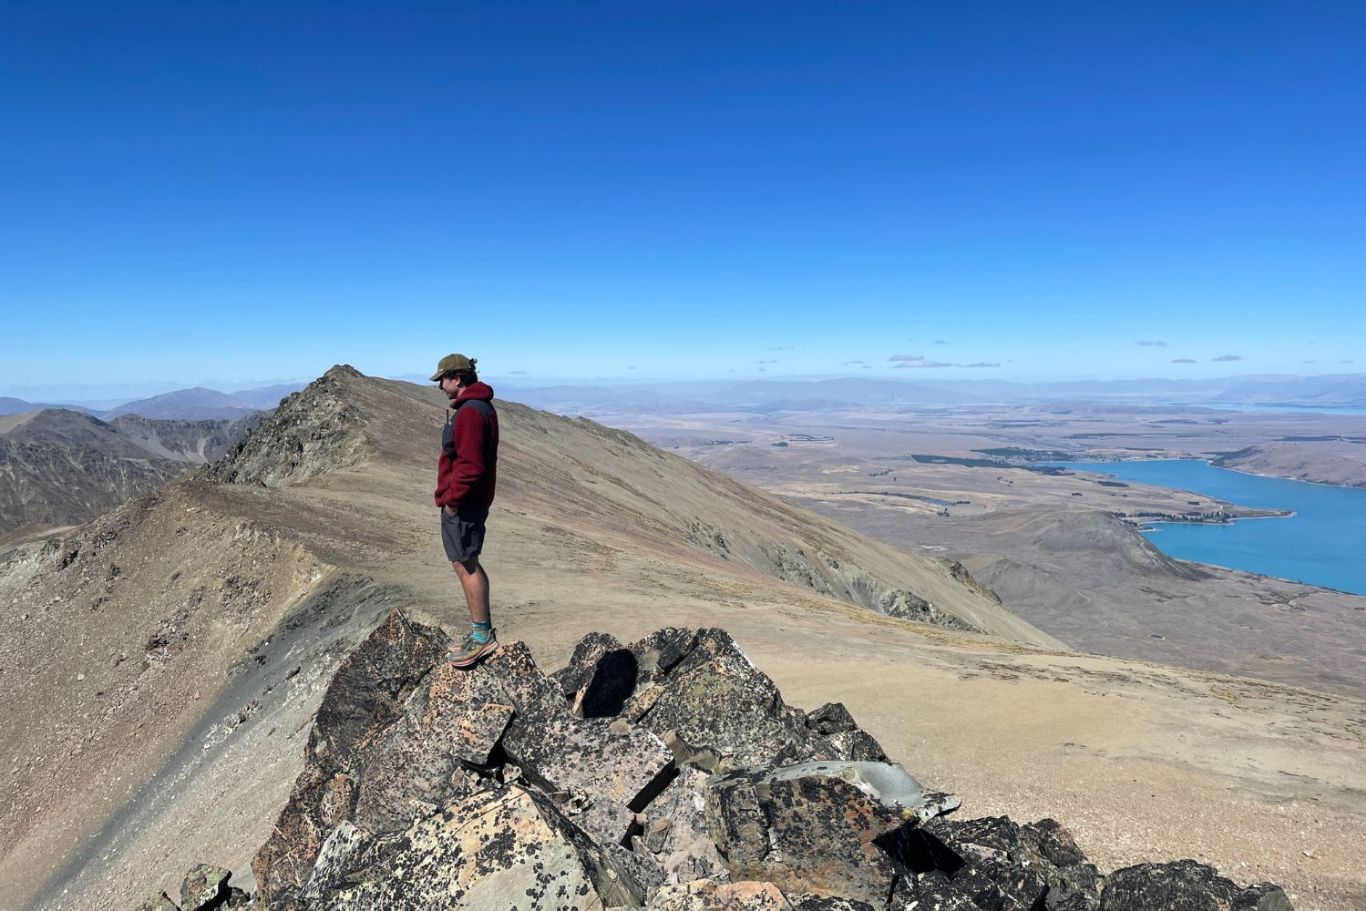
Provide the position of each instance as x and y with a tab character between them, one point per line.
465	476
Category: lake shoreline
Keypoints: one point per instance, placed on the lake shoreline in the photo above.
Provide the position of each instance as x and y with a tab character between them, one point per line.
1316	548
1211	464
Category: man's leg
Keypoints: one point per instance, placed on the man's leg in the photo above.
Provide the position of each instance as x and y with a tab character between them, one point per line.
475	583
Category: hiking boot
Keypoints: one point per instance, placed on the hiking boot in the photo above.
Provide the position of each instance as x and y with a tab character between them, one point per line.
470	652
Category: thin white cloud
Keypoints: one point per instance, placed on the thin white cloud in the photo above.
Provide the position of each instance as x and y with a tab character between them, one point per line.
1152	343
1185	360
1229	357
983	364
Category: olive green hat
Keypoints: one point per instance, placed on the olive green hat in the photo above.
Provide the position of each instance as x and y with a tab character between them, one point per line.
452	362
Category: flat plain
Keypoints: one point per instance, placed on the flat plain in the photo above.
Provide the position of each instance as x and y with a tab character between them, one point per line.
1063	551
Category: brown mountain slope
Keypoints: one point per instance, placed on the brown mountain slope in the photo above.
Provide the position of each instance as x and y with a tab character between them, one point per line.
60	467
161	665
576	471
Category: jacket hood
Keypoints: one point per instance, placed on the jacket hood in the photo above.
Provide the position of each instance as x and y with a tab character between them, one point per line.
476	391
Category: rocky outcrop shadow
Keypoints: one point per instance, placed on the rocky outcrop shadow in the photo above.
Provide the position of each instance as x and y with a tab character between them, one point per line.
666	774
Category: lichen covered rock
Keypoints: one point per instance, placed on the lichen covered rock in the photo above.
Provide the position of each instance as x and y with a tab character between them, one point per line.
815	828
707	895
506	848
366	696
1185	885
667	774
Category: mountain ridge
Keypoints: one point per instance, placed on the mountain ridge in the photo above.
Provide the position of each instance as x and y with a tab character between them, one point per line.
170	655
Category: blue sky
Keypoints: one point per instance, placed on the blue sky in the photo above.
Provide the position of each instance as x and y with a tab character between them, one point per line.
235	193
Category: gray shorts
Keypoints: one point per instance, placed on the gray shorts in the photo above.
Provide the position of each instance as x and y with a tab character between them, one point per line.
463	534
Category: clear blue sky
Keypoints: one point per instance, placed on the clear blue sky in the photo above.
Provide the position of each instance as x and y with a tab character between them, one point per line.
239	192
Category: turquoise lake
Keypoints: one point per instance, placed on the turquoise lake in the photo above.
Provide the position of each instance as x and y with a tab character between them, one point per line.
1324	543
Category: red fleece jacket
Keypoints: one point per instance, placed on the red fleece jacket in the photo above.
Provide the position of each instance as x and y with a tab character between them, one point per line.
467	469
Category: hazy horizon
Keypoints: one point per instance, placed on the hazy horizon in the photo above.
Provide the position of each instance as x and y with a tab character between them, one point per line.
116	394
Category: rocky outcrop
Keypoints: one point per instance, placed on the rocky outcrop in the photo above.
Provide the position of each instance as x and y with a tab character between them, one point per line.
665	774
841	579
313	431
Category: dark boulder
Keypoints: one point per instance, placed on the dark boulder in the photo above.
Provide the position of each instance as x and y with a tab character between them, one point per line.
835	829
997	862
1185	885
804	902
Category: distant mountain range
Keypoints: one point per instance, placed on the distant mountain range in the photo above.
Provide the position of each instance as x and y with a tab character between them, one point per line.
1279	391
195	404
1333	391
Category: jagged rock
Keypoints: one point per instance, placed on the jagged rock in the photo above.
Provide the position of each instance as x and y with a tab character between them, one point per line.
1000	885
508	848
931	891
675	831
644	868
600	677
339	853
1073	883
365	697
160	902
706	895
834	722
831	718
754	727
400	734
605	678
501	787
751	728
820	828
996	862
1262	897
453	718
313	431
205	886
1185	885
671	683
602	770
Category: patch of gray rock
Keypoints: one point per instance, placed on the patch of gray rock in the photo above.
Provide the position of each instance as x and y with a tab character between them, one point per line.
667	774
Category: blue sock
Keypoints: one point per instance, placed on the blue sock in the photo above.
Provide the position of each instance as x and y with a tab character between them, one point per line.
481	632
